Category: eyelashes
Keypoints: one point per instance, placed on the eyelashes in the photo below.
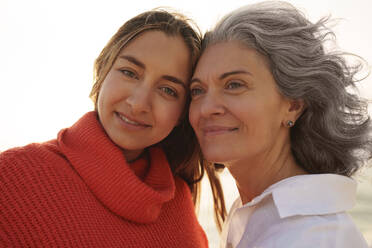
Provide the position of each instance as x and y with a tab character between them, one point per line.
232	86
129	73
196	91
168	91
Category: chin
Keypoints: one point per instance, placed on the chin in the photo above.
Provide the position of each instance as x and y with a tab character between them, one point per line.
215	157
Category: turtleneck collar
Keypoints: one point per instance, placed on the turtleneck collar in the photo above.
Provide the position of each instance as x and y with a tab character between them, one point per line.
103	167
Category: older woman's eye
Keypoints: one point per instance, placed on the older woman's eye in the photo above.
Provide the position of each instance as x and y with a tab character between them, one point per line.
129	73
196	91
233	85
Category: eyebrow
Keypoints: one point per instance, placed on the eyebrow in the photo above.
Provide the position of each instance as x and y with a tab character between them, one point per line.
224	75
174	80
133	60
142	65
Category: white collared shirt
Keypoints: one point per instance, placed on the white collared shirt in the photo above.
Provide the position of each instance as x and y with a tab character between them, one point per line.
306	211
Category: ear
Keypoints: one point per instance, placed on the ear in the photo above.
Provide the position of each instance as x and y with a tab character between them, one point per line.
294	111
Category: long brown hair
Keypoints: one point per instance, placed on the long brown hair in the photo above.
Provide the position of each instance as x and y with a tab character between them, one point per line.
213	171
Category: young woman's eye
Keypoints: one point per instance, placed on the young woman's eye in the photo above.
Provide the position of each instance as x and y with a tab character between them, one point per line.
233	85
196	91
128	73
169	91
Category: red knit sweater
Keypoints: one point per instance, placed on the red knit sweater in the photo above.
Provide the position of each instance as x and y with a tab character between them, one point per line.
79	191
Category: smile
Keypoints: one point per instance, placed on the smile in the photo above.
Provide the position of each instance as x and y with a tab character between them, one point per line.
131	122
218	130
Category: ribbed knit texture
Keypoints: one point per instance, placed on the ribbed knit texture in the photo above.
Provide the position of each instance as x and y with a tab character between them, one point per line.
79	191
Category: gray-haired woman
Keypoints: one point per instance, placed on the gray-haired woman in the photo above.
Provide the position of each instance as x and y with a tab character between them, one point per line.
272	105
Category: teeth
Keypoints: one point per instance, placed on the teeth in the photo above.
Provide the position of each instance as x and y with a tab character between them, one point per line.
129	121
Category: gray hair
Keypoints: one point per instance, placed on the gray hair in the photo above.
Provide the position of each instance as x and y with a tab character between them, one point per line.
333	134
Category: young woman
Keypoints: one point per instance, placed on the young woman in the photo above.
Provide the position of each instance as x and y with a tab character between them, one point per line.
272	105
124	174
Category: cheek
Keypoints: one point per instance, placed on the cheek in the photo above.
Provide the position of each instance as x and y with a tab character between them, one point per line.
168	114
112	91
100	100
260	120
103	96
252	117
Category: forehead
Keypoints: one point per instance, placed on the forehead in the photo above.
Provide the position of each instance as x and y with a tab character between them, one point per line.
228	56
160	53
156	42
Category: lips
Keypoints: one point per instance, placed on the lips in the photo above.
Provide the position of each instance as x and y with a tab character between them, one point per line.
217	130
132	121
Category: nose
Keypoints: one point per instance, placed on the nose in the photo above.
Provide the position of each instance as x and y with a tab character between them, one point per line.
211	105
139	99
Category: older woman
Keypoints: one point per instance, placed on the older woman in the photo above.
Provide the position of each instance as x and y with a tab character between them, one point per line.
277	110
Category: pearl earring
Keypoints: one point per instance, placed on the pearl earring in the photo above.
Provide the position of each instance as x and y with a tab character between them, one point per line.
290	123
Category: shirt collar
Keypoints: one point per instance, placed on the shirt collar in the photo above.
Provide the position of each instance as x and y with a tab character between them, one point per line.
314	194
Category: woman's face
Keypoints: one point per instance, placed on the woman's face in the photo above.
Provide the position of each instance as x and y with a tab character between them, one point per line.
236	110
143	96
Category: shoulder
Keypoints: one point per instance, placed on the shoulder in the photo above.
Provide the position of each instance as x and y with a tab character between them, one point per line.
19	155
265	228
333	230
17	165
34	152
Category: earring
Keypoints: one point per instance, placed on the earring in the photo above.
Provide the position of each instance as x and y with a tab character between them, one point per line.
290	123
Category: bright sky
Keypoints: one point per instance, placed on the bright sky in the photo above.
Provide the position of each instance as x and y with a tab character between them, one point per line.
47	49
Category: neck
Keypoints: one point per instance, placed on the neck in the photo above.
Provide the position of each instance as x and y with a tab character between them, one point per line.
132	155
254	175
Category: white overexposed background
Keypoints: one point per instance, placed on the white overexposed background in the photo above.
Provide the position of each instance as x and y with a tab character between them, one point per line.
47	50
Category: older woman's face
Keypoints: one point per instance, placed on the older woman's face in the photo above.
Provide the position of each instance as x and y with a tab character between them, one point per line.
236	110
